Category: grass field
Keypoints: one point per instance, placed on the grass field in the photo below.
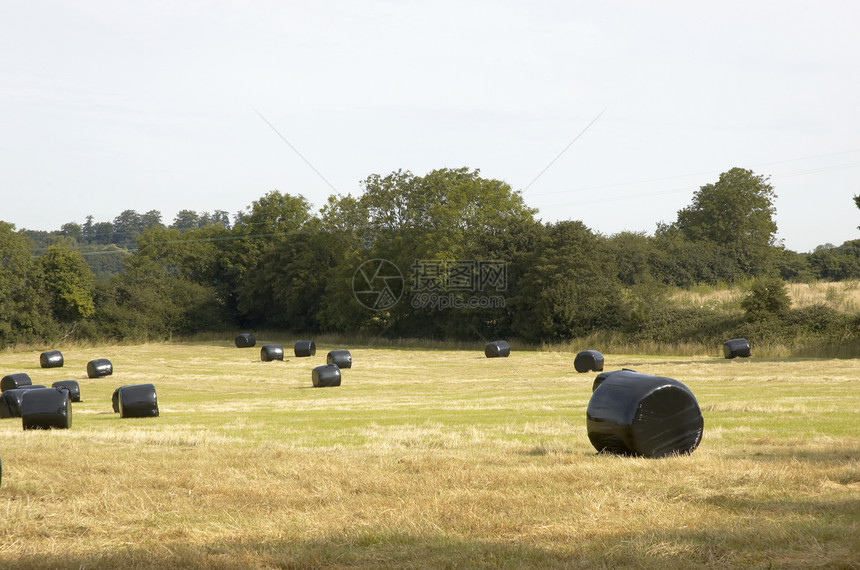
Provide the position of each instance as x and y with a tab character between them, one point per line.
427	458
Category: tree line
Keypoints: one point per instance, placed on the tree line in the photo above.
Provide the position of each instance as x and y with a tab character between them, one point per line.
453	236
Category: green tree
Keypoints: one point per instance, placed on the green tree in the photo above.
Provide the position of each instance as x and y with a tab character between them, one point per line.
571	287
735	213
24	312
68	281
768	298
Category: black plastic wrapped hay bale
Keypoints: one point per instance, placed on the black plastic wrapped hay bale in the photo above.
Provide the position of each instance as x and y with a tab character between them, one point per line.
138	401
497	349
51	359
270	352
72	386
736	347
340	358
12	381
245	340
115	399
305	348
46	408
588	361
99	368
637	414
10	403
598	380
326	376
10	400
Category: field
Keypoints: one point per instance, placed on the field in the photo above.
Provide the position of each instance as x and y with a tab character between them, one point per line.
427	458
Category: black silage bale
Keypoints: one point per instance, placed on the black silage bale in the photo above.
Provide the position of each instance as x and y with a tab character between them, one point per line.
72	386
10	403
46	408
497	349
588	361
340	358
99	368
270	352
51	359
13	381
245	340
736	347
305	348
637	414
138	401
326	376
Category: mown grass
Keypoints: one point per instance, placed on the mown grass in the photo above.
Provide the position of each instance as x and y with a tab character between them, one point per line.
427	457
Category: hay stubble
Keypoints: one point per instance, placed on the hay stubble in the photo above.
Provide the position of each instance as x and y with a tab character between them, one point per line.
428	458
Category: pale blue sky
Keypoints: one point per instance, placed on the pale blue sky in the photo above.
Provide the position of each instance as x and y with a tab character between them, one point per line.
108	106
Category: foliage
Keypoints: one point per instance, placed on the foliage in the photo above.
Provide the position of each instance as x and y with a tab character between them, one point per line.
68	283
736	214
767	299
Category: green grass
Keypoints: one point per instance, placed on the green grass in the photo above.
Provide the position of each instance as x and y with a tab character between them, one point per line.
427	457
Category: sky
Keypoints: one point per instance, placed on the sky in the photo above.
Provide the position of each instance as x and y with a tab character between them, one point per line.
613	113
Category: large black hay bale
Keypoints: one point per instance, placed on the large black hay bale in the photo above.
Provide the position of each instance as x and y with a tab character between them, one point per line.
138	401
10	403
340	358
10	400
305	348
72	386
736	347
271	352
325	376
115	399
51	359
46	408
245	340
12	381
637	414
588	360
99	368
497	349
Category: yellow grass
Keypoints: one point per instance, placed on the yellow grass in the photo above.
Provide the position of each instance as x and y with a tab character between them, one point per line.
844	296
427	459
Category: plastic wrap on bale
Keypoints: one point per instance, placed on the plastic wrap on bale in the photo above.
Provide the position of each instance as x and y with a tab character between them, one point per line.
46	408
270	352
13	381
245	340
340	358
598	380
115	399
10	400
10	403
51	359
497	349
99	368
736	347
588	361
72	386
305	348
138	401
637	414
326	376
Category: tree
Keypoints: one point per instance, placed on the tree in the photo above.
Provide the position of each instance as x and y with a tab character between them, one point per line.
24	312
68	282
768	298
737	214
571	287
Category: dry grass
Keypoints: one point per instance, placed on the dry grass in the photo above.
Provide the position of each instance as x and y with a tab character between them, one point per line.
843	296
427	458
